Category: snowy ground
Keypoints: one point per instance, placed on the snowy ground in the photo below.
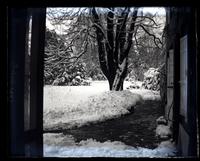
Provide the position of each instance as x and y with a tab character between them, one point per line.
73	106
59	145
96	108
147	94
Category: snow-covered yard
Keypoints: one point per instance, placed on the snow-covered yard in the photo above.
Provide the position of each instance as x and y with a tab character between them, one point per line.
73	106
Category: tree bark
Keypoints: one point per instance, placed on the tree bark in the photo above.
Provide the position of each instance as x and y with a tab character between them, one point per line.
120	75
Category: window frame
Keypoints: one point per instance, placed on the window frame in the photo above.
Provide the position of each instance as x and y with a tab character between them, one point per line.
30	142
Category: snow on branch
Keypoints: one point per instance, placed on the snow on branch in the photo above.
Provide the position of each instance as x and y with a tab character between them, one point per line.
150	34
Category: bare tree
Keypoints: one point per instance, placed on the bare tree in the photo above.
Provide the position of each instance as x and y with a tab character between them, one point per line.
147	51
113	29
115	39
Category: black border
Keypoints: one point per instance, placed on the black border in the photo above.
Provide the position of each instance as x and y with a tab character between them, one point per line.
98	3
4	98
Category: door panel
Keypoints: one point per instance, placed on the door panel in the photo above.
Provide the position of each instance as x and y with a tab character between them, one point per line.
34	135
27	76
16	51
170	84
183	76
26	81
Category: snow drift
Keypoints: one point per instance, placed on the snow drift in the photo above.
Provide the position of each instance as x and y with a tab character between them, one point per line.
97	108
59	145
147	94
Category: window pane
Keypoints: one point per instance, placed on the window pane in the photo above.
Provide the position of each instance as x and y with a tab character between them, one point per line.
27	77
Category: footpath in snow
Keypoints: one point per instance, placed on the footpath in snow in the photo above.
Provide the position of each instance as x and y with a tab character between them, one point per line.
72	107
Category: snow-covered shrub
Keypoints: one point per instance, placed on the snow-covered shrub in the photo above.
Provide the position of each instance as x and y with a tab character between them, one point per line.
161	120
134	85
131	76
152	79
163	132
72	76
96	74
85	82
59	65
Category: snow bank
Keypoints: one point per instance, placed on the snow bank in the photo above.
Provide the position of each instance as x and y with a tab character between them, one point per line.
93	148
96	108
163	131
69	96
58	139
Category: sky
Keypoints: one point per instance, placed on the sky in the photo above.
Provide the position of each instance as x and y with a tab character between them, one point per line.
153	10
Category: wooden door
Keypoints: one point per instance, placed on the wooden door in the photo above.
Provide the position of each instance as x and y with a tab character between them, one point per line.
26	81
35	52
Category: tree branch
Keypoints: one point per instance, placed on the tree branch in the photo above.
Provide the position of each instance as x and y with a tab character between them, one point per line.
155	38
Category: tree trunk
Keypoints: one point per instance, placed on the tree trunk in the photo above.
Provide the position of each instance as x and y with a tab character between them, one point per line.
114	44
116	83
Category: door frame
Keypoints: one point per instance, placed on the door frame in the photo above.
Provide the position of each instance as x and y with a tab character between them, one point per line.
30	142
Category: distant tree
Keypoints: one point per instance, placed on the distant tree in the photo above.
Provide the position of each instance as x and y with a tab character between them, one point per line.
145	53
59	69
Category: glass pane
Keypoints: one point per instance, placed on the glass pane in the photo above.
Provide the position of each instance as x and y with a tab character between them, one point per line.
27	78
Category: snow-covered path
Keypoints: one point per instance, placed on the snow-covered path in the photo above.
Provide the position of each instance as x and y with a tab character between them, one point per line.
135	129
131	135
